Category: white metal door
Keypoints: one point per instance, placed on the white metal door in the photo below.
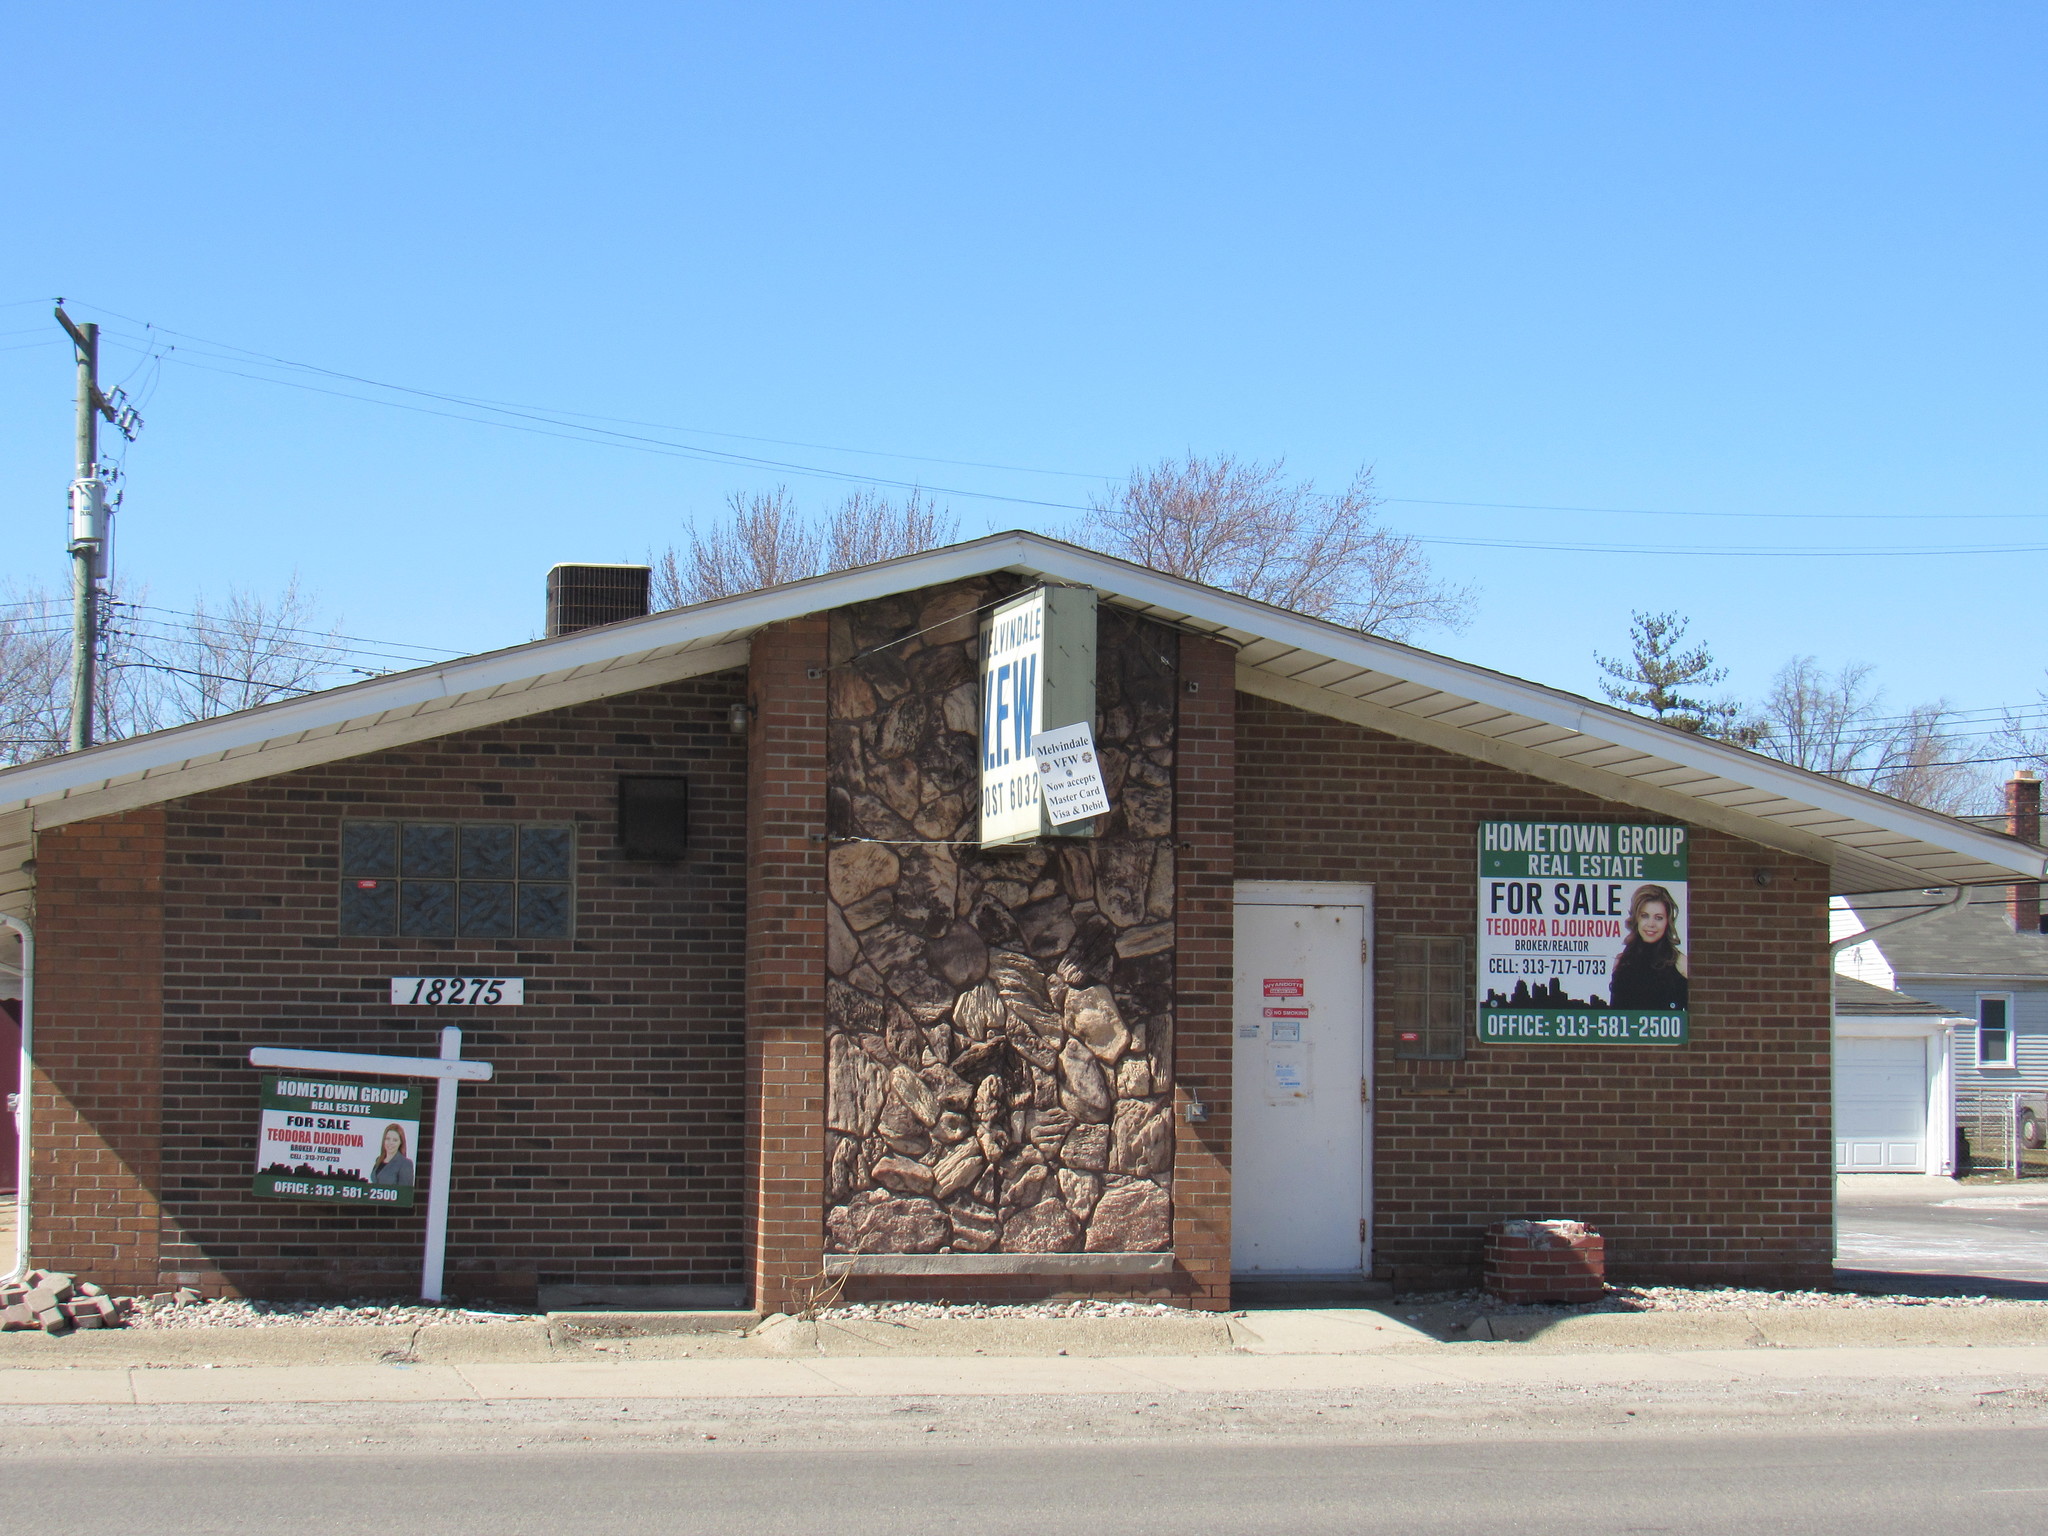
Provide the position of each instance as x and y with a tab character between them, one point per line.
1299	1144
1880	1105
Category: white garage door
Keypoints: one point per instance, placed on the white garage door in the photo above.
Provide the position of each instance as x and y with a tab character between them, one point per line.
1880	1106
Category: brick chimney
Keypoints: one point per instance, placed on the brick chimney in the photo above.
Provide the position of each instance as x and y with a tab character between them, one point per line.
584	596
2023	821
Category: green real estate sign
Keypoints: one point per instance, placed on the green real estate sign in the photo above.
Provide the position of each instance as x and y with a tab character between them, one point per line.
1582	933
320	1139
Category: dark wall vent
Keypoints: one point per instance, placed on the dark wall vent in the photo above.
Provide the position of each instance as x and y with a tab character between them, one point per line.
654	816
584	596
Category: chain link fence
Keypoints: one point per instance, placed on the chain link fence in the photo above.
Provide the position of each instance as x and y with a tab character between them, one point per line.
2002	1133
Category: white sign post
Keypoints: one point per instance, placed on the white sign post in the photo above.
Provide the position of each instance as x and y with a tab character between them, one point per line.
446	1071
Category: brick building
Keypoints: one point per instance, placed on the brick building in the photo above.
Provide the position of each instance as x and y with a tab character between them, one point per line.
788	1019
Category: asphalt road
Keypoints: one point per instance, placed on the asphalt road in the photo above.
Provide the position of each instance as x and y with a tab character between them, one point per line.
1992	1240
1981	1481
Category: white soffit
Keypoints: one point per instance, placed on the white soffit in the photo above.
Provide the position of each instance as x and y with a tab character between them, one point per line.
1872	841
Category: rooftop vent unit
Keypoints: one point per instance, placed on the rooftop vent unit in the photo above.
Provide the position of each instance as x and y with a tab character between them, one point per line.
585	596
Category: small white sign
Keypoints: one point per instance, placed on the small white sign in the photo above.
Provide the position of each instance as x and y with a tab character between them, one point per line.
1287	1074
458	991
1070	774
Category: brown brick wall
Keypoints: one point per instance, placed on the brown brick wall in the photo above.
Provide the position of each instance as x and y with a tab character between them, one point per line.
785	961
607	1149
1709	1161
95	1117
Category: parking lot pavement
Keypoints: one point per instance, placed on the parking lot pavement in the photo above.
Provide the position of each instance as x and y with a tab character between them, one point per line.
1942	1236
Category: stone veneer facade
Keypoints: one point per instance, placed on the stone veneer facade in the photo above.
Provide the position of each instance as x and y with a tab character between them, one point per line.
1000	1022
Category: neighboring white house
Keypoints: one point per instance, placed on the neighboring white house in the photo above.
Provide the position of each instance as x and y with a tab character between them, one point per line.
1970	964
1894	1081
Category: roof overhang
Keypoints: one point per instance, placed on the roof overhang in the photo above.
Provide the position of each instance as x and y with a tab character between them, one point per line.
1871	841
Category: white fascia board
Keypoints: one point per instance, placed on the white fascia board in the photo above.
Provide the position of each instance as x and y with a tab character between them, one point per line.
2009	978
1514	695
1894	1026
517	668
1033	556
376	733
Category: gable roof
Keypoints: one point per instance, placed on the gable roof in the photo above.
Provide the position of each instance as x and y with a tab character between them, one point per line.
1859	999
1976	940
1872	841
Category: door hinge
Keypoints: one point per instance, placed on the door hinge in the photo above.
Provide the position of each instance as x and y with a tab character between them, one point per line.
1364	951
1365	1090
1363	1234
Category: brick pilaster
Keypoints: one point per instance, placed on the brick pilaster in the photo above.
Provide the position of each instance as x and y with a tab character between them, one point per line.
96	1118
1205	802
786	959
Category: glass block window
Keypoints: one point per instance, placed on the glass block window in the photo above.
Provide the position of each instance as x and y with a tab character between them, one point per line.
1425	996
457	880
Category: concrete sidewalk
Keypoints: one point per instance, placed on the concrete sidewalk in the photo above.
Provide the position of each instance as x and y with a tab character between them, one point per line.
1450	1329
927	1377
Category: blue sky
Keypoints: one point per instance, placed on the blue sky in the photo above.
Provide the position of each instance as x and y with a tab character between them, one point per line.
1699	260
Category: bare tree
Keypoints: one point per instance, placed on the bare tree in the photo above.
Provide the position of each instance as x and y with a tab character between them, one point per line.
35	675
866	529
768	539
157	672
1836	724
1242	525
247	650
2024	737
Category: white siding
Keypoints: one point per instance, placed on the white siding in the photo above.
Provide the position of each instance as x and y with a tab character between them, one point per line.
1862	961
2029	1025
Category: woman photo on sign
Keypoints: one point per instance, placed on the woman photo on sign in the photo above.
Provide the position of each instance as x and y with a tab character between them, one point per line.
1650	970
393	1169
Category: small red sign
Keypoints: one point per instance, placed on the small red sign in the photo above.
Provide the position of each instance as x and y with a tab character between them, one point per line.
1409	1036
1286	1013
1284	986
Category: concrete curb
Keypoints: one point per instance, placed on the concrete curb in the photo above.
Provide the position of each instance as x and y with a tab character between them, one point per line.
1446	1331
1151	1377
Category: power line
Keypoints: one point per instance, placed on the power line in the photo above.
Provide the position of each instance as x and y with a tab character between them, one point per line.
321	637
577	430
1697	552
482	403
1846	517
572	432
216	677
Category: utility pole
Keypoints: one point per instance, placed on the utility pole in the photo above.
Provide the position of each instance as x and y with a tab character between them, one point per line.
89	530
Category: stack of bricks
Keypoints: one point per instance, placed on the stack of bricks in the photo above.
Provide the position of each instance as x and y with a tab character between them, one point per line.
1536	1261
54	1303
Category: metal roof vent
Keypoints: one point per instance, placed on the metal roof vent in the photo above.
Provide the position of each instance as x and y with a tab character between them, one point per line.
585	596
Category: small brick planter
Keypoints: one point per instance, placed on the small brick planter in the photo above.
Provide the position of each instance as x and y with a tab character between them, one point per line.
1554	1261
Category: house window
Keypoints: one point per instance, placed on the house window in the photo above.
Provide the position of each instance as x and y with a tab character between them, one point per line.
1425	996
1994	1031
457	879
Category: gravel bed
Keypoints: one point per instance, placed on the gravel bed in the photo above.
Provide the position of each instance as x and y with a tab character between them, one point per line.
1619	1299
1681	1298
303	1314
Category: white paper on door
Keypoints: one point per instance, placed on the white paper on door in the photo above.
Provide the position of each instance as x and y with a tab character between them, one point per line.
1287	1073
